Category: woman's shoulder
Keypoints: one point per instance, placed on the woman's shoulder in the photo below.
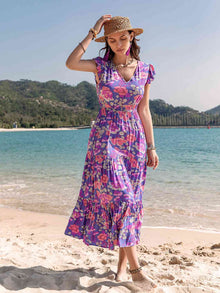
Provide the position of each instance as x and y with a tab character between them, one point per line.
100	60
145	64
101	63
148	69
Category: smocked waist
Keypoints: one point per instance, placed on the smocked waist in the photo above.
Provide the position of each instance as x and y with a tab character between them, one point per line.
104	110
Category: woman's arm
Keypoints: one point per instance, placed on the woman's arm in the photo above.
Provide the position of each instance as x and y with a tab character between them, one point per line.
146	119
74	61
145	115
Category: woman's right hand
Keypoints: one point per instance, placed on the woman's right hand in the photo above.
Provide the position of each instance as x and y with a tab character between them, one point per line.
74	61
101	21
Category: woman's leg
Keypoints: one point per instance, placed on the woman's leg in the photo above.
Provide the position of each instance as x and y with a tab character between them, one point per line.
138	277
122	264
132	257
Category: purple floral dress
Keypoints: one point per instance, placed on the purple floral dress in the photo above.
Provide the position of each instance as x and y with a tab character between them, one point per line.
109	209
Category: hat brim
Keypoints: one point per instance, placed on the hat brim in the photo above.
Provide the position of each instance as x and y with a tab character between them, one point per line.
137	32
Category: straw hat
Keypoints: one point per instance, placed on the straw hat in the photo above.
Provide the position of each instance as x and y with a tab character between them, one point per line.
118	24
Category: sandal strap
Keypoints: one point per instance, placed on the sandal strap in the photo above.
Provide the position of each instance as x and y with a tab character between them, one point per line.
135	270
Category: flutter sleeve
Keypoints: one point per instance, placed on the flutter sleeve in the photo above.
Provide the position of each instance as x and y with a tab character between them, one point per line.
99	65
151	74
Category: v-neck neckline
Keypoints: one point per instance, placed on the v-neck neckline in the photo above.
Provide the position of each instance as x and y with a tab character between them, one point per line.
113	65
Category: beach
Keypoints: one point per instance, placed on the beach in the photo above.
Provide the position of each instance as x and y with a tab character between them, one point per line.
36	256
41	173
88	126
35	129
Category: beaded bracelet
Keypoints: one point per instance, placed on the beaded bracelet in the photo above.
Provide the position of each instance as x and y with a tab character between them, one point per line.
151	147
135	271
94	32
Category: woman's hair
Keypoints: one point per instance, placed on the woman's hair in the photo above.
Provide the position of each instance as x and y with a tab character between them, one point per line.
135	49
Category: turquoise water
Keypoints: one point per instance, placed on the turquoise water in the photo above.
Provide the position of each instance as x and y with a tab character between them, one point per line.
42	171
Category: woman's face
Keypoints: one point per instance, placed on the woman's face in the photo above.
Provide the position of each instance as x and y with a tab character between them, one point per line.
120	42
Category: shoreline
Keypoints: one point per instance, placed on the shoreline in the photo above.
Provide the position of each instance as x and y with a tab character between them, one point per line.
5	210
35	129
165	233
37	255
144	226
85	127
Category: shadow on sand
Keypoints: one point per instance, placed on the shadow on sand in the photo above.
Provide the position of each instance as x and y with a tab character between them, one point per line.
14	278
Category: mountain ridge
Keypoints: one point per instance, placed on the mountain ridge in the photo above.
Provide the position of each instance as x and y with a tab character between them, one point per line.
54	104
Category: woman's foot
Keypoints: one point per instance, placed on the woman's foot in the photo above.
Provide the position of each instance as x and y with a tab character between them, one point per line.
121	276
143	281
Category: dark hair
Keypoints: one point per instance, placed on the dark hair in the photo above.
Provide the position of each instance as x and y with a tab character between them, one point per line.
135	49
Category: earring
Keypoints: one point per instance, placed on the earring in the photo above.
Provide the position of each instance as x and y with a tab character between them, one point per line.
107	55
128	51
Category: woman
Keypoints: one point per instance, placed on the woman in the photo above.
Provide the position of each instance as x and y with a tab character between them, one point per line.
109	208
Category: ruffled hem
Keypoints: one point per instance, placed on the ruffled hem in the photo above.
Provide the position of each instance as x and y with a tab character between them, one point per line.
106	225
104	245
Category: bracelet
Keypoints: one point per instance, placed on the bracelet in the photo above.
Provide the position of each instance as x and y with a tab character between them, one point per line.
82	47
151	147
94	32
136	270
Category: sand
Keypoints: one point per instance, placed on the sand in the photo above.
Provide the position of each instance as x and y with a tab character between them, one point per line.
36	256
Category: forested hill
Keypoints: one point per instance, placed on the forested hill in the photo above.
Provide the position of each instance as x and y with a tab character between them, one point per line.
46	104
215	110
54	104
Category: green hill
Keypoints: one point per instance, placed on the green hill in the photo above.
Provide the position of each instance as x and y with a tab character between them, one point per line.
54	104
215	110
46	104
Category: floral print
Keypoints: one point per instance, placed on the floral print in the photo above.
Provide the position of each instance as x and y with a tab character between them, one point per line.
109	209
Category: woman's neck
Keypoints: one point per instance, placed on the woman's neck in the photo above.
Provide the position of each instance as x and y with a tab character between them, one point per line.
121	59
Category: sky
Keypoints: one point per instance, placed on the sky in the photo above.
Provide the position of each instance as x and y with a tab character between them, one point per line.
181	39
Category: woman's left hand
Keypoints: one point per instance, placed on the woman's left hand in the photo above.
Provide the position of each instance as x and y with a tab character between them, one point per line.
153	159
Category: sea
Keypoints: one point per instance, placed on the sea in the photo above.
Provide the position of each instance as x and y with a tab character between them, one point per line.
42	171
